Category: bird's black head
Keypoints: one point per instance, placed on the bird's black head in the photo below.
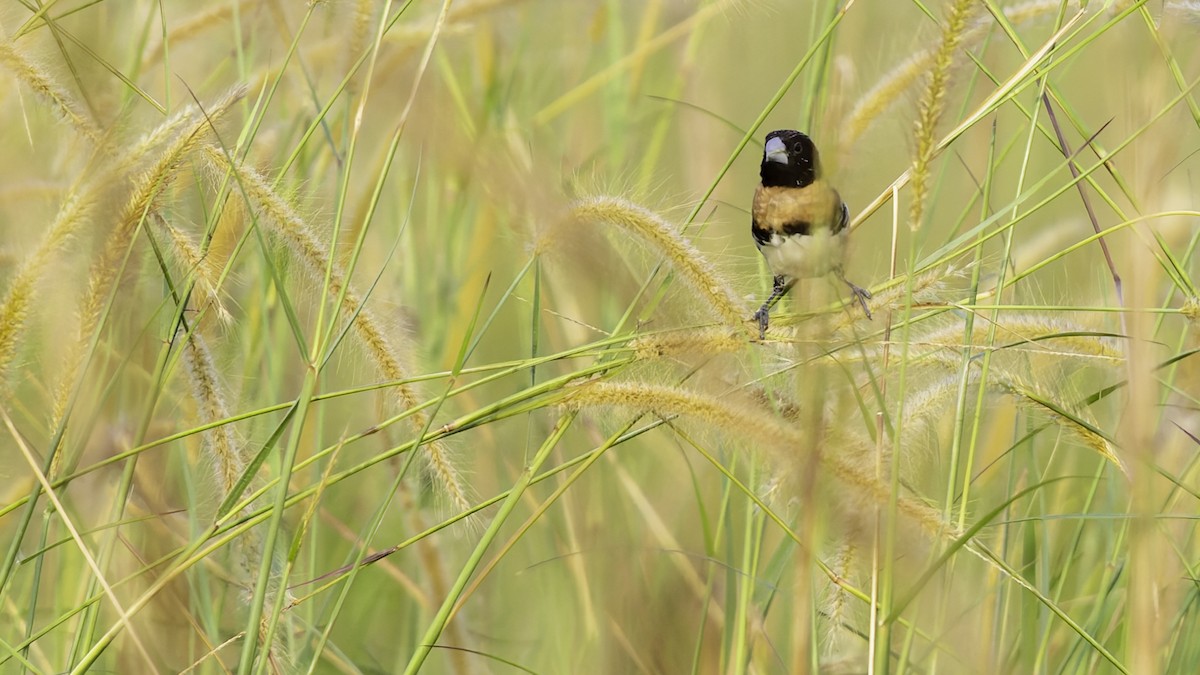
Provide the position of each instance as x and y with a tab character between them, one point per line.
789	160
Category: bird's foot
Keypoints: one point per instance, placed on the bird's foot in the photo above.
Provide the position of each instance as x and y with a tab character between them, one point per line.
860	293
762	316
863	295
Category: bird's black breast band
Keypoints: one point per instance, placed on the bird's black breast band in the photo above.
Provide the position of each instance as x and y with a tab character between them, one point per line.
801	227
795	228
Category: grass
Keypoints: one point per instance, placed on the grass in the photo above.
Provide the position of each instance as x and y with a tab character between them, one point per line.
358	337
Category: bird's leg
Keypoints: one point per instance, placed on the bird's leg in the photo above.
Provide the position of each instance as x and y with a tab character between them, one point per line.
781	287
861	293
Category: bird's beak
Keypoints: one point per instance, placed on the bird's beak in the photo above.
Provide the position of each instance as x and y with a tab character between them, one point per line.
776	151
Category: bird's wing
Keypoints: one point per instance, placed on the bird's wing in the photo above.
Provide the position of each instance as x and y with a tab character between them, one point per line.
762	236
842	218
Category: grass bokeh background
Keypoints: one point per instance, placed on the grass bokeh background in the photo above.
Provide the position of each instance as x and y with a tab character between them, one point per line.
361	337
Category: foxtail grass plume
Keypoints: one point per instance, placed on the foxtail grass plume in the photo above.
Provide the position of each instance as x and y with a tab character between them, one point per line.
220	445
169	129
47	89
1012	379
74	215
656	232
933	102
837	600
211	15
1070	418
926	405
1029	334
688	341
196	266
21	295
778	438
930	288
897	81
147	190
313	256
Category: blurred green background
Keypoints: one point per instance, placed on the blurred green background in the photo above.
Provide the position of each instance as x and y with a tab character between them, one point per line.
1001	463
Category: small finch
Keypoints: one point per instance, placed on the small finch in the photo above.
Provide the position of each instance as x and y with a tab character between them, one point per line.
798	220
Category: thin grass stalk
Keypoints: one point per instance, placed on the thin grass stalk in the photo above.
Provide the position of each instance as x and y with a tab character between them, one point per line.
264	589
438	624
326	272
929	114
430	554
1092	140
586	463
957	458
96	567
887	519
752	528
1070	561
986	374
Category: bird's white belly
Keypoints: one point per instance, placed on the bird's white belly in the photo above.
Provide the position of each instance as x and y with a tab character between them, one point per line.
804	256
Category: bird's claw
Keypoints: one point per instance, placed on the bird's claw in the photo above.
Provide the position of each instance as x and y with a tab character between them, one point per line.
863	295
762	316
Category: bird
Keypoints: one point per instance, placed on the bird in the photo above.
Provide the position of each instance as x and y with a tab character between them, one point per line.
799	221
